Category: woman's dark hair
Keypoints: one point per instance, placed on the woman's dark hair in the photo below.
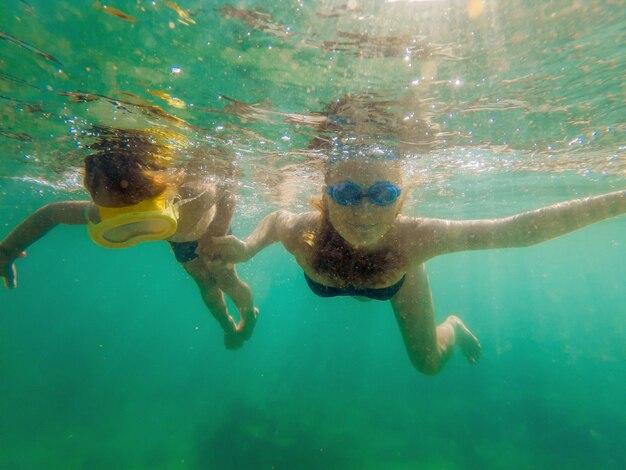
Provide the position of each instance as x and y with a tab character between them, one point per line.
370	119
127	164
333	256
403	122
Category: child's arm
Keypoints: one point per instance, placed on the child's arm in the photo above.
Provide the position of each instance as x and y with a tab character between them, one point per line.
520	230
33	228
219	225
224	211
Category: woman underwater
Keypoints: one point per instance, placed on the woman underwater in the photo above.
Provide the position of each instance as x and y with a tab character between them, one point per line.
138	196
359	244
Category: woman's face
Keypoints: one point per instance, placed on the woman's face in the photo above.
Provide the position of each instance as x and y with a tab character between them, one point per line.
365	223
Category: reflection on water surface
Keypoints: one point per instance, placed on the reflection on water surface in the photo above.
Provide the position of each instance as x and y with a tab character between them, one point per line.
504	87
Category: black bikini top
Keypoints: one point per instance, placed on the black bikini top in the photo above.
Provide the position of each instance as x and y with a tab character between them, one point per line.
384	293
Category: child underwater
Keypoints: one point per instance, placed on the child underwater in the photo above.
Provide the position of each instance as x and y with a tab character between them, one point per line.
138	196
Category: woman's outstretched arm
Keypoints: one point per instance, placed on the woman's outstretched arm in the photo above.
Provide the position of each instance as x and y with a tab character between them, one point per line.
524	229
279	226
33	228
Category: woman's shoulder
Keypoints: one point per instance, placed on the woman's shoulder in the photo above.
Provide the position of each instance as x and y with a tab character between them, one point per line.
294	229
413	223
411	231
404	223
298	222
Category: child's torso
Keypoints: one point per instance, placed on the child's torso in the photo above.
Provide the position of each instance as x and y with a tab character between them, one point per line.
196	210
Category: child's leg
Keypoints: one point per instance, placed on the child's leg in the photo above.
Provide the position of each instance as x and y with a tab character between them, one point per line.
241	295
429	346
214	300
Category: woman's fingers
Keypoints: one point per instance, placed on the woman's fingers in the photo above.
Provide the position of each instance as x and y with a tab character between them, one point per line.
213	244
222	240
229	249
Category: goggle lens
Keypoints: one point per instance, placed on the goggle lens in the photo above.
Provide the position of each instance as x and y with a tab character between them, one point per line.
345	194
349	194
383	194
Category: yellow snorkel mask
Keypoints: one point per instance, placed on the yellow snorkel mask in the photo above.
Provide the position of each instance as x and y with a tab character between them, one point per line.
121	227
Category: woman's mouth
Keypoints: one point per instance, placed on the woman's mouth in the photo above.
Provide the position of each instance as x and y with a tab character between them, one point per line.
364	227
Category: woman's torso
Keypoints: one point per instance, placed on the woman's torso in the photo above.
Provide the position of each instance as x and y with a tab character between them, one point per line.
301	247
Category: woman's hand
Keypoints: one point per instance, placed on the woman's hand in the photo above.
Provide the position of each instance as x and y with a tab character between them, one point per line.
228	249
7	268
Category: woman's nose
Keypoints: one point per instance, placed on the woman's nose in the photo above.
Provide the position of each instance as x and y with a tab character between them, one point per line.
363	210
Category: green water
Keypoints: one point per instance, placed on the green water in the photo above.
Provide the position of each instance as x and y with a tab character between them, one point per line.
109	359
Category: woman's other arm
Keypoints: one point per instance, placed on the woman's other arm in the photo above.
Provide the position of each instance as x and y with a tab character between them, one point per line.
520	230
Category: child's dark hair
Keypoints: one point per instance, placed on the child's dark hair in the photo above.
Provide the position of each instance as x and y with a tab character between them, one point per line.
127	164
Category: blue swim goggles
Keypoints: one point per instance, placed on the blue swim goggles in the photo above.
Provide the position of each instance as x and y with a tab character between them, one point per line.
347	193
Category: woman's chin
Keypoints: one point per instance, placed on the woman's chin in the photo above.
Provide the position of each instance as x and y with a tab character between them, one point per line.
363	239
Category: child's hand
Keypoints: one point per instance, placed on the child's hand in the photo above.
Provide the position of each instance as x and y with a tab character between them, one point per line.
228	249
7	268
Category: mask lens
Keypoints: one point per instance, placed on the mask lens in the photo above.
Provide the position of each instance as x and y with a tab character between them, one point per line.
345	194
383	194
150	220
146	229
